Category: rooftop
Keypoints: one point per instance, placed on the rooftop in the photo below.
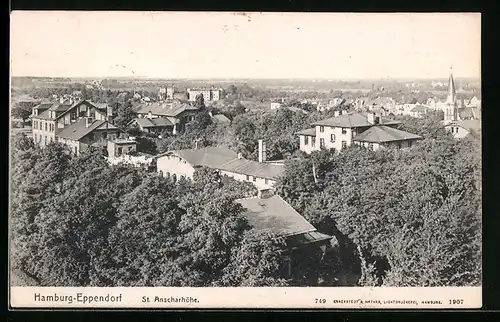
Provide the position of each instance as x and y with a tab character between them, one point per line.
420	108
381	134
78	130
165	109
253	168
351	120
308	132
276	215
469	124
156	122
213	157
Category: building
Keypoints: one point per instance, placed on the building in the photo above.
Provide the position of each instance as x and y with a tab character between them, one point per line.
179	114
136	159
182	164
419	111
460	129
88	132
209	94
170	91
268	212
275	105
162	94
152	125
450	107
49	121
118	147
220	119
344	129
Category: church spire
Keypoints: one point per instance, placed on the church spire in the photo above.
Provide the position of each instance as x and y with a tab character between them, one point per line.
451	99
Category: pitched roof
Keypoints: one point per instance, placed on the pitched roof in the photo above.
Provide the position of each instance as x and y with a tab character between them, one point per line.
474	125
58	107
253	168
274	214
351	120
157	122
212	157
165	109
308	132
78	130
420	108
221	118
380	134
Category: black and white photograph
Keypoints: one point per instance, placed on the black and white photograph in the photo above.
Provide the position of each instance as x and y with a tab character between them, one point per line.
229	150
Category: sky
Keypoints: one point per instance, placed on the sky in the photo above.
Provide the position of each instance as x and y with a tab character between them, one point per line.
245	45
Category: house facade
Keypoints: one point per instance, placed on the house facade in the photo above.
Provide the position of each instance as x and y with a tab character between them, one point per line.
88	132
152	125
461	129
183	163
49	121
344	129
178	114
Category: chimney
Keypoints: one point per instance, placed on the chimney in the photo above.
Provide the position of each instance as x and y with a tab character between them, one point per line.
262	151
240	156
61	100
88	121
371	118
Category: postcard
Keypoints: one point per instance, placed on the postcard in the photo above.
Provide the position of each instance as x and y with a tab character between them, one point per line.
196	160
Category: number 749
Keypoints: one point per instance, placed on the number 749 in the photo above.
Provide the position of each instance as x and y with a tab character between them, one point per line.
320	301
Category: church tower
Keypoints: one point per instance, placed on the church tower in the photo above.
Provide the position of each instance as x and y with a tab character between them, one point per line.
450	113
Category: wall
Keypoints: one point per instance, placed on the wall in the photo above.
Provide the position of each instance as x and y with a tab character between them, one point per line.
458	131
173	164
259	183
307	148
74	146
339	137
40	136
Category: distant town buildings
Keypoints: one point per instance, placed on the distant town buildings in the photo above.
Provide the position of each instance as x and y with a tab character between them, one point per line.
209	94
177	113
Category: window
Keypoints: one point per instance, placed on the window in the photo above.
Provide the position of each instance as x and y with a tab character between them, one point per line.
409	143
46	126
332	137
35	136
266	181
45	138
306	140
399	145
105	135
76	150
322	142
313	141
370	146
344	130
322	128
35	124
254	179
119	151
344	144
248	178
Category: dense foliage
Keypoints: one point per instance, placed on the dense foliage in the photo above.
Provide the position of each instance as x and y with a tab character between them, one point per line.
412	217
77	221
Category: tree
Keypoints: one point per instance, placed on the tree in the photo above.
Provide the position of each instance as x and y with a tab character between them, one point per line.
23	110
199	101
124	114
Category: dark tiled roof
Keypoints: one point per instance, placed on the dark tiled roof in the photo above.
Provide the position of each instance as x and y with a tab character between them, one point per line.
274	214
308	132
165	109
351	120
253	168
157	122
212	157
58	107
78	130
380	134
45	115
